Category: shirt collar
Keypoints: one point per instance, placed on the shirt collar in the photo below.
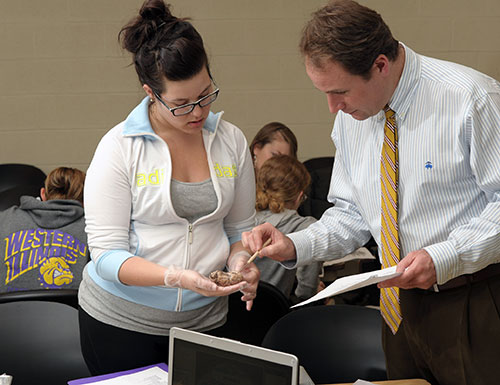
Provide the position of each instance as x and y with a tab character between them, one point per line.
137	122
401	99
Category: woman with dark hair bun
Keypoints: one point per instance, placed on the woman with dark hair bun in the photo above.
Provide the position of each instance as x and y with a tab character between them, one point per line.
168	194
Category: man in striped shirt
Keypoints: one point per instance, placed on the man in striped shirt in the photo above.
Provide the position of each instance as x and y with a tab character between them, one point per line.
448	217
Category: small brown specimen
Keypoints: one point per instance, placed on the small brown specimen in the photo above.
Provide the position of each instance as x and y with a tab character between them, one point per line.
223	278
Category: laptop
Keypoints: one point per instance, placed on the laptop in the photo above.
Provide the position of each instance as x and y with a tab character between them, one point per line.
200	359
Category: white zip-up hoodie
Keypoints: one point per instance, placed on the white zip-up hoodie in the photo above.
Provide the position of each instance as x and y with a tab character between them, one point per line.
128	208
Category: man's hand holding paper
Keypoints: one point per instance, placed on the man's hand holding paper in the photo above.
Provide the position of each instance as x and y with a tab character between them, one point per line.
417	271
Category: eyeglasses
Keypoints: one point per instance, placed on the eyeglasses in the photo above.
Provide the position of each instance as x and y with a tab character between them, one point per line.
189	107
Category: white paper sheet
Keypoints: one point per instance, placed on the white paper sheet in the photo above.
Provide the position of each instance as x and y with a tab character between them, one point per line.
151	376
352	282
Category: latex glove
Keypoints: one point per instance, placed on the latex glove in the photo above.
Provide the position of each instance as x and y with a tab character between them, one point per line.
194	281
250	273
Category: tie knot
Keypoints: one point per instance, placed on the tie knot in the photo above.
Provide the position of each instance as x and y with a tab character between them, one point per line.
388	112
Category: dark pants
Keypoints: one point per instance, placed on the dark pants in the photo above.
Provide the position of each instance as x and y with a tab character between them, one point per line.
448	338
109	349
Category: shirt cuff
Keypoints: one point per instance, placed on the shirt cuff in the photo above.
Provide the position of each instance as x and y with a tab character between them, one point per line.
234	239
108	264
445	258
303	250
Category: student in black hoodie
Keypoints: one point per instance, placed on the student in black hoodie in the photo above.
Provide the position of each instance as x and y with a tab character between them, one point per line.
43	244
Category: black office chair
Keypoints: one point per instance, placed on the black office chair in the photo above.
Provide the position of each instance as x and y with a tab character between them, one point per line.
316	203
40	343
18	174
11	197
251	326
64	296
335	344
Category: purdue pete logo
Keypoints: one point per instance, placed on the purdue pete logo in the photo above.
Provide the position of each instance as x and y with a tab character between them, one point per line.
157	177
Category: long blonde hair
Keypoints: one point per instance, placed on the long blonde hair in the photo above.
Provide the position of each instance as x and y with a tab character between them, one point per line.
280	180
65	183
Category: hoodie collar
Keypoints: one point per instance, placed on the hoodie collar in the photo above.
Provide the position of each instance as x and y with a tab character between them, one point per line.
138	124
52	214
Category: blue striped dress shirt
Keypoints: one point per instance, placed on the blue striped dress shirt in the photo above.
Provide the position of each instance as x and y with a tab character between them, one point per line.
448	120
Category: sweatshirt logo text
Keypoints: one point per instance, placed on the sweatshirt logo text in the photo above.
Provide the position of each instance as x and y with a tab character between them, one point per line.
53	251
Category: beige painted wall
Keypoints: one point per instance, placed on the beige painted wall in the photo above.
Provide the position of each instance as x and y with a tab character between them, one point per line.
64	81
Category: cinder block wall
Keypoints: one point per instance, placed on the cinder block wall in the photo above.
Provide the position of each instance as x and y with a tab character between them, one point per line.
64	81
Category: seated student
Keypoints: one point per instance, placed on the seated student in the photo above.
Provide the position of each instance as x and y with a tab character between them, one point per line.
43	244
281	185
273	139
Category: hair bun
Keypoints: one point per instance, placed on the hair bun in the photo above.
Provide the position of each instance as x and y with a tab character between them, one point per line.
142	31
163	46
157	12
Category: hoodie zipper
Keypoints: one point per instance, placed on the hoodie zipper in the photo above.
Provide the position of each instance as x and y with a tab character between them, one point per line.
190	233
186	263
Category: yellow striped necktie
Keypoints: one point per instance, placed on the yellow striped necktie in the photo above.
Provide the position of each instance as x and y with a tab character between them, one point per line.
389	297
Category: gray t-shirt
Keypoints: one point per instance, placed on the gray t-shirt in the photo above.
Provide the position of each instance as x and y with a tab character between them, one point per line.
193	200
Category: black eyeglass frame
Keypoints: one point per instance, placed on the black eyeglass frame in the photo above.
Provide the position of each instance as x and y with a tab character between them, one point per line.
199	102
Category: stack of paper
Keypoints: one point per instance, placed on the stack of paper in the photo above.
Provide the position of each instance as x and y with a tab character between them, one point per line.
148	375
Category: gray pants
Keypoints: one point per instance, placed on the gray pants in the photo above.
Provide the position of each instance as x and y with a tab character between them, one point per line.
448	338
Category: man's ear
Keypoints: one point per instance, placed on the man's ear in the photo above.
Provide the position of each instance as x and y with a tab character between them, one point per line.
381	64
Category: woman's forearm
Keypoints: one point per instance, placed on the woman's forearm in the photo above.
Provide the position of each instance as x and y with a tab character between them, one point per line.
137	271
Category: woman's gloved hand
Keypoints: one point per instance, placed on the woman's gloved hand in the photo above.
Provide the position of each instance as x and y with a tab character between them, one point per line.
250	273
194	281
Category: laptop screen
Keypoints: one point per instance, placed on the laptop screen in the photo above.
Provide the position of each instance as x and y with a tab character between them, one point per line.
199	359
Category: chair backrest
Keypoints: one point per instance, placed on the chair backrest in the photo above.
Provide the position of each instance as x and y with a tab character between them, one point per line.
335	344
251	326
65	296
11	197
320	170
40	343
17	174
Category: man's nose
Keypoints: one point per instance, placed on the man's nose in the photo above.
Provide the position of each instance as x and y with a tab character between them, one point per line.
335	103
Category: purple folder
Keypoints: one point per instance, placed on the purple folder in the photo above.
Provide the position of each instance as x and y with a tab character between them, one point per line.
91	380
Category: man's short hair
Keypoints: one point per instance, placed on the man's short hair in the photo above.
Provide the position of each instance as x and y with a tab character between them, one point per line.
348	33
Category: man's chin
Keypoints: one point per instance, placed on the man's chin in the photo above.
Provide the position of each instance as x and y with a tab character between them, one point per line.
358	116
